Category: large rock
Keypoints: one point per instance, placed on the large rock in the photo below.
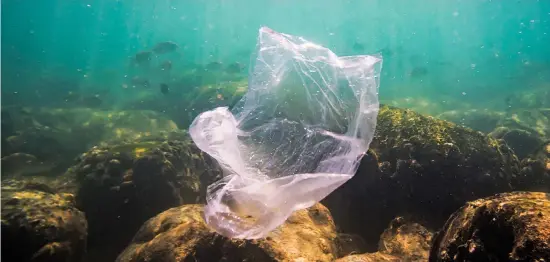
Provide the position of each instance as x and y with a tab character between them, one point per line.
406	240
123	184
537	98
401	241
525	130
506	227
423	169
370	257
40	225
180	234
535	171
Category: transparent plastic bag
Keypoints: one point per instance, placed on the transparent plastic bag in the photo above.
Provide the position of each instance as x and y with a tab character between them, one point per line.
298	133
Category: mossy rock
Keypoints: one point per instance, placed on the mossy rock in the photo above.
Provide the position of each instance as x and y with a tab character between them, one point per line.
423	169
40	225
121	185
370	257
535	121
180	234
406	240
401	241
537	98
535	171
58	135
505	227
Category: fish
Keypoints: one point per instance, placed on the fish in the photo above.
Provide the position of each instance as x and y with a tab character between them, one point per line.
92	101
164	89
418	71
165	47
166	65
142	57
140	82
214	66
358	47
234	68
386	52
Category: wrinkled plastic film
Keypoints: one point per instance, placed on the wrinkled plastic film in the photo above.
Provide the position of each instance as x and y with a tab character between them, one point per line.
297	134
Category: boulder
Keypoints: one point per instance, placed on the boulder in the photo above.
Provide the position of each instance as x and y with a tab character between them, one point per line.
401	241
505	227
180	234
121	185
423	169
40	225
58	135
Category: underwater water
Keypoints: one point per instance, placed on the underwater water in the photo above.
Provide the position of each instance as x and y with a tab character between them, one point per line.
461	50
97	100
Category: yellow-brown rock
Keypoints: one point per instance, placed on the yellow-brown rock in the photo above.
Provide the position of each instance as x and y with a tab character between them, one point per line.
506	227
180	234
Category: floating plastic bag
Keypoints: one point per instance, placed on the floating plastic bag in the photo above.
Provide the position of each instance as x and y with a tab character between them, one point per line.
297	134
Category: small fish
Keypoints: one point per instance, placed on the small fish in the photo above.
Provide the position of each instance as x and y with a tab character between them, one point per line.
358	47
92	101
386	52
418	71
166	65
234	68
164	89
214	66
140	82
143	57
165	47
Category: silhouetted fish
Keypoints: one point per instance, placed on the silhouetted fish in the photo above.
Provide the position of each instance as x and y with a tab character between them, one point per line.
166	65
143	57
358	47
164	89
419	71
234	68
214	66
165	47
140	82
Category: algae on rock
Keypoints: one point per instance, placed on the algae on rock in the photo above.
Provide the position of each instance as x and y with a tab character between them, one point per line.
40	225
121	185
505	227
58	135
180	234
421	168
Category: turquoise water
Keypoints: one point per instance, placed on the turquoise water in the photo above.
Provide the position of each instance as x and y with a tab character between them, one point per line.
470	51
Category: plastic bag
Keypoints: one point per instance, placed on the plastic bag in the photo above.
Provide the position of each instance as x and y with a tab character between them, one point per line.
298	134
